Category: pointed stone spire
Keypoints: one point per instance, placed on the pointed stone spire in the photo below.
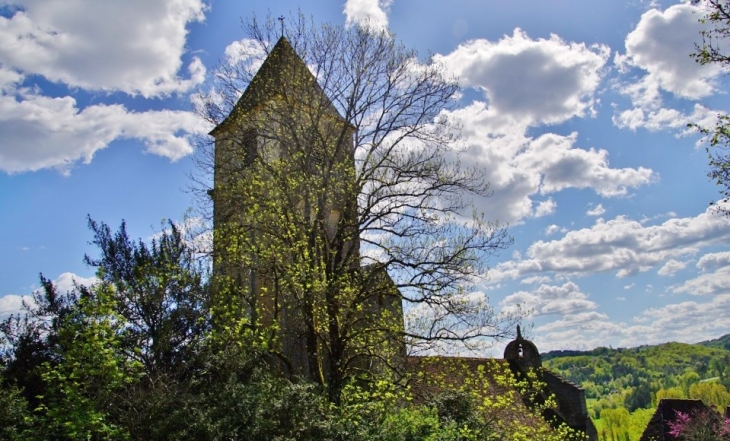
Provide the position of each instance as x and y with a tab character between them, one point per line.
283	70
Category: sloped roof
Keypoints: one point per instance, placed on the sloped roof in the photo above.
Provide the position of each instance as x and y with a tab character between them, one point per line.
282	69
431	376
666	411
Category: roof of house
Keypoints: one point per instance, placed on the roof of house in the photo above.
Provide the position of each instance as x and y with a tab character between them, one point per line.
494	379
488	378
658	428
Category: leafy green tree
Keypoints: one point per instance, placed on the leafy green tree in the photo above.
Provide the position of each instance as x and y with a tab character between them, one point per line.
31	341
638	422
639	397
83	387
686	380
14	414
710	393
160	292
100	378
482	400
260	407
719	366
672	392
616	423
104	359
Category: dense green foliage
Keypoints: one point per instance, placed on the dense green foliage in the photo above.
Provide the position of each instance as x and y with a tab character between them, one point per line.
623	386
619	424
639	373
135	357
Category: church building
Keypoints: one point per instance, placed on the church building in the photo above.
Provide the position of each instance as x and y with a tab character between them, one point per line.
286	241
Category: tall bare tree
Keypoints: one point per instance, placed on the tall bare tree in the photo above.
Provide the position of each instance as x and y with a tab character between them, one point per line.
340	202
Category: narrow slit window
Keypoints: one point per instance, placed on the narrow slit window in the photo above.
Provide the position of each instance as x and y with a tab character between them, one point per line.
249	146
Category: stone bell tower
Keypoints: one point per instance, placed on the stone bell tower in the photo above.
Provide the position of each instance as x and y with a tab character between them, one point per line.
285	116
524	358
285	170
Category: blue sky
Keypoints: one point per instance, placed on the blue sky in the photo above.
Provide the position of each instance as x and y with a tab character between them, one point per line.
576	110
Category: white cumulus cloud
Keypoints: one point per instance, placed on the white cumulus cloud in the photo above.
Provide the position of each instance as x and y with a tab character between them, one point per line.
43	132
598	210
68	281
714	261
545	208
368	13
521	169
531	81
527	83
714	279
684	322
661	45
659	49
566	299
671	267
622	245
133	46
12	304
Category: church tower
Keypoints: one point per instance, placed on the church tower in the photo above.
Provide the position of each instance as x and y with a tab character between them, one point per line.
285	221
523	358
284	118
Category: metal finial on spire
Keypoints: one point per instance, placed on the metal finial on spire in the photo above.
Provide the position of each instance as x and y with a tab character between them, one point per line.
519	334
281	20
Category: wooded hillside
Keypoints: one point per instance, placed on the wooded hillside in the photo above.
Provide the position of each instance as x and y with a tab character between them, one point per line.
623	386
